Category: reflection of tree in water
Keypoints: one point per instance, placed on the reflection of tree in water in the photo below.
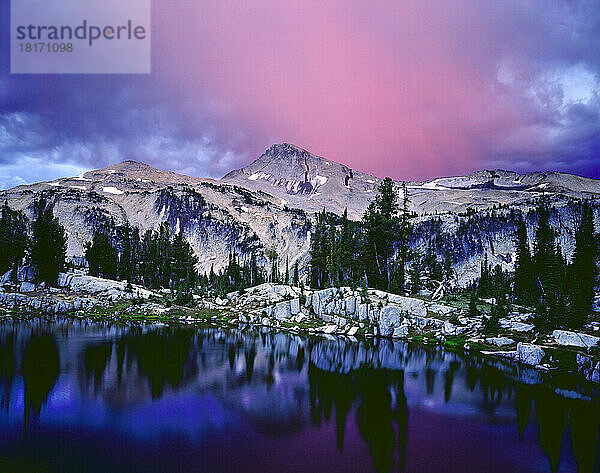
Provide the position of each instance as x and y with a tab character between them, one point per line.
40	370
449	379
231	355
553	414
121	350
7	370
381	409
162	356
269	378
300	359
377	415
250	355
430	379
96	358
584	425
471	378
552	421
523	399
381	414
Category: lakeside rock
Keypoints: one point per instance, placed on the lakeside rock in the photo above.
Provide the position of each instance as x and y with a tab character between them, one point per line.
500	341
529	354
516	326
390	318
76	291
575	339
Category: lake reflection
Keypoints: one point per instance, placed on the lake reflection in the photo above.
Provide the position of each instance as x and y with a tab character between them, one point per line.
77	395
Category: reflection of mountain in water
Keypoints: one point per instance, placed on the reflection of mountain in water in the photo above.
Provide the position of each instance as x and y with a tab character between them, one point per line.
284	383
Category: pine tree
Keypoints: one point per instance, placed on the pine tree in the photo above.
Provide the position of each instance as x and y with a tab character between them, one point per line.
544	251
524	288
415	274
368	249
364	292
547	273
448	269
473	310
318	252
255	273
13	238
346	249
499	282
380	223
491	324
584	269
164	255
148	260
405	232
48	245
135	255
484	287
126	258
183	263
434	268
101	256
156	257
273	256
296	276
332	254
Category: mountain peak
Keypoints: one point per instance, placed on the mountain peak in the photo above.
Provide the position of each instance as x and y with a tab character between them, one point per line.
285	148
305	180
286	162
130	170
286	153
130	165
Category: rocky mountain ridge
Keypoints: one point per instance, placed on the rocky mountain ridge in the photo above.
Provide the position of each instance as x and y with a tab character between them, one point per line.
215	217
268	205
310	182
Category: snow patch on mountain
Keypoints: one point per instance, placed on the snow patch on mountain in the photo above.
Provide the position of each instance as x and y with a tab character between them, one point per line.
258	175
321	180
112	190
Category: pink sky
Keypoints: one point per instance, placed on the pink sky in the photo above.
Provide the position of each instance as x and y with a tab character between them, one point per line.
412	89
406	88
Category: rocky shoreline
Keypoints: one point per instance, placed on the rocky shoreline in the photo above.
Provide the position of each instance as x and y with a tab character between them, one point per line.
328	312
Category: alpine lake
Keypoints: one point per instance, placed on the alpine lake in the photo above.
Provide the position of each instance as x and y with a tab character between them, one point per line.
84	395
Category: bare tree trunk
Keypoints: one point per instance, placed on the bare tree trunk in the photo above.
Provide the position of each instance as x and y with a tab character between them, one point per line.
387	264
